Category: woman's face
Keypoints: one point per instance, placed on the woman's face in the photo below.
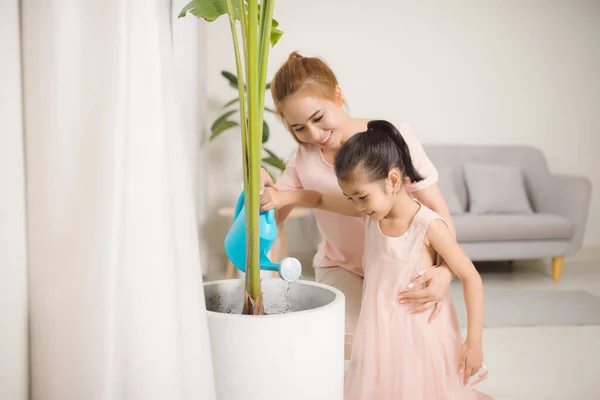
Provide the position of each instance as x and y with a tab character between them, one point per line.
315	119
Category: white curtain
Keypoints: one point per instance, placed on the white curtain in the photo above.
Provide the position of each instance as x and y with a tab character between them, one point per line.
189	42
116	307
13	263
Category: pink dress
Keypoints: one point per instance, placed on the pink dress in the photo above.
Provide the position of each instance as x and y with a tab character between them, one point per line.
397	355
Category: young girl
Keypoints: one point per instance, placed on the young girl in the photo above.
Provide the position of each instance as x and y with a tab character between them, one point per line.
397	355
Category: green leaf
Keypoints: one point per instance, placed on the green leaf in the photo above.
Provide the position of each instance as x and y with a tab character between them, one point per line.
233	80
221	124
276	34
265	133
270	110
270	152
268	86
185	9
232	102
222	127
273	160
210	10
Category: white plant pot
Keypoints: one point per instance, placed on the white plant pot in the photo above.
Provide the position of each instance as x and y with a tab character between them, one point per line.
294	353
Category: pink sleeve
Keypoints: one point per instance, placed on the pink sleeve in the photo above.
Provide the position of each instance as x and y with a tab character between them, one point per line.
290	180
420	160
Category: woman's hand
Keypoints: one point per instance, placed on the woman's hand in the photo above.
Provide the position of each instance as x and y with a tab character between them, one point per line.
471	359
437	281
271	199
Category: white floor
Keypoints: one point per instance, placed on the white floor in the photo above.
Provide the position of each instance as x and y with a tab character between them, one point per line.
544	363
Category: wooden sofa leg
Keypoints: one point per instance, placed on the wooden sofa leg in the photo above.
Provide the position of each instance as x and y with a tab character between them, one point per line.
557	264
230	270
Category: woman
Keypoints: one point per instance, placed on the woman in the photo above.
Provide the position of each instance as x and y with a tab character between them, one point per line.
310	103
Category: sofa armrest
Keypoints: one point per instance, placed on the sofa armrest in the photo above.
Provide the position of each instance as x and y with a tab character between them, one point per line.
570	197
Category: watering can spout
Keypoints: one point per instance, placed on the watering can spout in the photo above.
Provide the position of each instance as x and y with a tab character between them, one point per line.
289	269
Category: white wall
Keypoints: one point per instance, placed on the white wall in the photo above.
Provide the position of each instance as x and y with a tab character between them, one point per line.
525	72
13	253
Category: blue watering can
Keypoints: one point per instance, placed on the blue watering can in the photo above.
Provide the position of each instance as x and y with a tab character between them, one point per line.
289	269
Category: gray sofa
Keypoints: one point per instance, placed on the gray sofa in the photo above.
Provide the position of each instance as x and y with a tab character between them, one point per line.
507	205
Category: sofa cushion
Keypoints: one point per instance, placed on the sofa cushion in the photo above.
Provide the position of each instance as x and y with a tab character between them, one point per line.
530	160
490	227
496	189
450	181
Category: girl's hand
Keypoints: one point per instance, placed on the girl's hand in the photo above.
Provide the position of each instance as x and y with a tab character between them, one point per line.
437	281
270	199
471	359
266	181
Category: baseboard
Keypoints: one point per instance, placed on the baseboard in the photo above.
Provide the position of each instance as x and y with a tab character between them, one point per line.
586	254
583	261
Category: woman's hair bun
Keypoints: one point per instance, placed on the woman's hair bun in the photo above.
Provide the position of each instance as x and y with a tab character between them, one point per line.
294	55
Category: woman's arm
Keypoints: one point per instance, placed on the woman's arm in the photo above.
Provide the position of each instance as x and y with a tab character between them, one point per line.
442	240
279	200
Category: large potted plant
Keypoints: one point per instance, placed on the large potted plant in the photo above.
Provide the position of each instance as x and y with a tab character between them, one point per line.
289	343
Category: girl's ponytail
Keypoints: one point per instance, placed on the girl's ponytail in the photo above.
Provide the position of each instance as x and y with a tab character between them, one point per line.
377	150
405	160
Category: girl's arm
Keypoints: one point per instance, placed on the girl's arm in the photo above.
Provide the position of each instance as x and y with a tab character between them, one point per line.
266	181
442	240
281	200
282	214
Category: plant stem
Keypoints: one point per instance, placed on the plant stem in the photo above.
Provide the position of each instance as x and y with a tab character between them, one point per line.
245	136
244	22
255	139
266	25
241	91
261	21
244	121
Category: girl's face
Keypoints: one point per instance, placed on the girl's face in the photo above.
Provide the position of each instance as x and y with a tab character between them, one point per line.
315	119
374	199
